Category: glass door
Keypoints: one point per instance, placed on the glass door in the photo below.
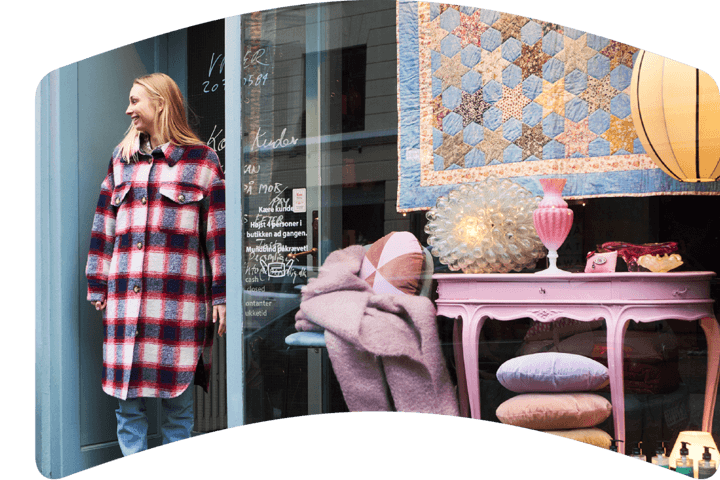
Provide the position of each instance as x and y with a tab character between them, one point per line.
282	198
309	184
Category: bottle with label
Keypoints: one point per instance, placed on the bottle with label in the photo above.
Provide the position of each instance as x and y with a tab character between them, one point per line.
613	445
661	459
684	464
637	453
706	466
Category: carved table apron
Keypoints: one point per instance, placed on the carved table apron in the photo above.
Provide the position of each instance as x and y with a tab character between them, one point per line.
615	297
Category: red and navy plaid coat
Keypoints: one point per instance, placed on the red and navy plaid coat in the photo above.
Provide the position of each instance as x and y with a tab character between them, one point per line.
157	255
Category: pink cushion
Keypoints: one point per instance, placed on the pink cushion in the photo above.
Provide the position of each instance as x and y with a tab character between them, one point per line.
563	327
554	411
552	372
394	264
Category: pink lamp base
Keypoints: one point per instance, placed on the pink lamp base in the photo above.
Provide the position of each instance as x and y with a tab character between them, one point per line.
552	269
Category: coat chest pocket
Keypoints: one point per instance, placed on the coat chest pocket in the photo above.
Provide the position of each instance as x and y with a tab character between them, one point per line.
180	207
121	201
181	193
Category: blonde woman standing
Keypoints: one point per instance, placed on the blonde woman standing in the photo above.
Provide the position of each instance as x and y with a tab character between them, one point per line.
156	266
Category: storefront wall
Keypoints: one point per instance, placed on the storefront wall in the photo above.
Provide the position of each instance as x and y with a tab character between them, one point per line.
309	143
80	116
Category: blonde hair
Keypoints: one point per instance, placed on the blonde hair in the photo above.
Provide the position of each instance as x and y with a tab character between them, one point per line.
172	125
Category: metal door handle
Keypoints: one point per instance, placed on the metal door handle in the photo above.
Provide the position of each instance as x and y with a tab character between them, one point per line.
312	251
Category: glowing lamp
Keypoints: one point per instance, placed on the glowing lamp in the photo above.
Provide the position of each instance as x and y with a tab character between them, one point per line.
486	227
676	113
697	441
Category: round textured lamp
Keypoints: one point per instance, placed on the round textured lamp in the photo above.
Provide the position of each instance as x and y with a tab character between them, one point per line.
676	113
485	227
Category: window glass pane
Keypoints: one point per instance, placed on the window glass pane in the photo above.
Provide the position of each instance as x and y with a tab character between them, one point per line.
319	172
273	173
206	115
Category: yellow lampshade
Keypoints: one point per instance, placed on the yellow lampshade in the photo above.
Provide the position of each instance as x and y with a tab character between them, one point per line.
676	113
697	441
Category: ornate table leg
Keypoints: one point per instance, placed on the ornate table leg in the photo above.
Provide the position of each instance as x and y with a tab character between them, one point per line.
712	335
460	368
470	344
616	328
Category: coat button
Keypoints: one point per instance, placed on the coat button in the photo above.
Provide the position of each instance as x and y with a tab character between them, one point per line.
136	333
139	245
117	200
143	200
136	288
181	197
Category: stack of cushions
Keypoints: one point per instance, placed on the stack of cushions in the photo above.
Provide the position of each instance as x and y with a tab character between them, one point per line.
556	395
650	358
394	264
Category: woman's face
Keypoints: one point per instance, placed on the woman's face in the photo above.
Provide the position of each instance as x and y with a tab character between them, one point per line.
142	110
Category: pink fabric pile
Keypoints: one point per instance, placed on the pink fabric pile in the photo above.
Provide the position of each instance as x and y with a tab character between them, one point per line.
384	349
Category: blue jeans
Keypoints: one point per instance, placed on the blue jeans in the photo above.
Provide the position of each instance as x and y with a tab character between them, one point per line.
132	422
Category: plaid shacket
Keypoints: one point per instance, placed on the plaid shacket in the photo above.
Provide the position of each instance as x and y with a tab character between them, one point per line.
157	255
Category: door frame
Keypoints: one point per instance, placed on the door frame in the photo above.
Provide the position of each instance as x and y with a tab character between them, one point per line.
59	288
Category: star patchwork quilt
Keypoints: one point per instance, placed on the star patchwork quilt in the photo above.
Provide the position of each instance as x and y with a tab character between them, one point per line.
484	93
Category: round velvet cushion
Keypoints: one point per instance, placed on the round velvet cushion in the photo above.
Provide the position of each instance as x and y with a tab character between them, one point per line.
592	436
552	372
554	411
394	264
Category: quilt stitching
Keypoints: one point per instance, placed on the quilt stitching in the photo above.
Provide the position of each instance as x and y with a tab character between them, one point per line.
490	93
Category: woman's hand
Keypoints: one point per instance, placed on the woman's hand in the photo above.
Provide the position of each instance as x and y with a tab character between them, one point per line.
100	305
219	313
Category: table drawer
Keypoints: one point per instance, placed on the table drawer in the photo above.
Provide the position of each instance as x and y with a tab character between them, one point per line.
494	292
661	290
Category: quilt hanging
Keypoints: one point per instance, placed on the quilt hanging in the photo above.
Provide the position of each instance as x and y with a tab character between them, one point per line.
485	93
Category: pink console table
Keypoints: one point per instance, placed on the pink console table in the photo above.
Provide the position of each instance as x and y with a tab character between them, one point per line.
615	297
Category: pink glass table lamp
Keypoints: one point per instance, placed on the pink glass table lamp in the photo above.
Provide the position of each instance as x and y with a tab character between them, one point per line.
552	220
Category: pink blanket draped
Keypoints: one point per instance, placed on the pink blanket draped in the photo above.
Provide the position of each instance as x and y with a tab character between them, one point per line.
384	349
